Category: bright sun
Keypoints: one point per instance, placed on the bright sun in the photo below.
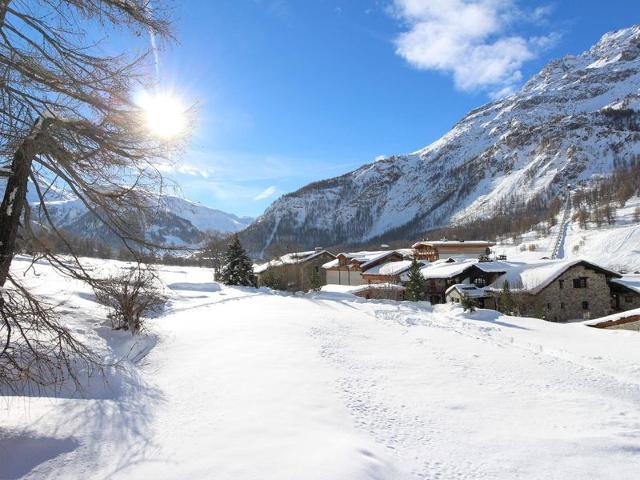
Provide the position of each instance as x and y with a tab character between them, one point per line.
164	114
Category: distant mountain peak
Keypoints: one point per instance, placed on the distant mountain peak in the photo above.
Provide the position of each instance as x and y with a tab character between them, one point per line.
560	127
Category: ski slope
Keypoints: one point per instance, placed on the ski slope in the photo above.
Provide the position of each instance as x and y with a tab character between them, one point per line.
614	246
238	383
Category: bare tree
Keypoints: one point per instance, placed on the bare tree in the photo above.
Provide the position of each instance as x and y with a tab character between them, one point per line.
67	119
131	295
214	251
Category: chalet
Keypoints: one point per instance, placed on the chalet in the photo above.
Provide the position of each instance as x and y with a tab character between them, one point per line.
435	250
482	298
387	291
440	275
295	269
557	290
389	272
348	268
625	292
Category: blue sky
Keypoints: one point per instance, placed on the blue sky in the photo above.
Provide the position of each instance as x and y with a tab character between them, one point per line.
292	91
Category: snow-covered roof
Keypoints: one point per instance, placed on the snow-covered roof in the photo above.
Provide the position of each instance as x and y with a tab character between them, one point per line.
333	263
535	276
632	282
289	259
389	268
364	258
454	243
353	289
446	269
615	318
468	290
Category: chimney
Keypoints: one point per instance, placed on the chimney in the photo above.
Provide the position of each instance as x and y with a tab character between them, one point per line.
318	249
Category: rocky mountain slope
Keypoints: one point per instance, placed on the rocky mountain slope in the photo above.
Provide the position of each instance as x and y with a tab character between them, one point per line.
577	119
177	221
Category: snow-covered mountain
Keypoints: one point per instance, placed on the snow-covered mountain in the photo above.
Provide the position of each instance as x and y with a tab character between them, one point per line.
177	221
575	120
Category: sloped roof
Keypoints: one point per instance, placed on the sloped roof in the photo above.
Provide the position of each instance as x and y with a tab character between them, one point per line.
364	258
389	268
468	290
446	269
290	259
333	288
454	243
532	277
632	282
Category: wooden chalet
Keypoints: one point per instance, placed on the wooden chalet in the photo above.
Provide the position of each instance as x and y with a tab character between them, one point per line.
435	250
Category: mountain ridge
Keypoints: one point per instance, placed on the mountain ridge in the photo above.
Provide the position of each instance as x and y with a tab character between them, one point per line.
573	121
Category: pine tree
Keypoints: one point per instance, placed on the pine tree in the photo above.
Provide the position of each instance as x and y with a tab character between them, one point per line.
468	304
506	298
315	283
416	285
238	269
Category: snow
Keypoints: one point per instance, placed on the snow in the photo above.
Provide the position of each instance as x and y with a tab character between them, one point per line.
632	282
353	289
467	290
389	268
244	384
533	276
445	269
289	259
613	246
614	317
553	131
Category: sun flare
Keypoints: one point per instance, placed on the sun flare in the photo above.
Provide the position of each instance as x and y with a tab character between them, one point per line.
164	114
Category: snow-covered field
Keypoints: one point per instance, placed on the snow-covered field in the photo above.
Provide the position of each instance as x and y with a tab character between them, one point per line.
235	383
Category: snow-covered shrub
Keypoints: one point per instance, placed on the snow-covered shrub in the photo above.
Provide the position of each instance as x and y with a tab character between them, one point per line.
131	295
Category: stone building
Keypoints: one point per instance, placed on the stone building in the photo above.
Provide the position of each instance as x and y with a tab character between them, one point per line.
625	292
294	271
558	290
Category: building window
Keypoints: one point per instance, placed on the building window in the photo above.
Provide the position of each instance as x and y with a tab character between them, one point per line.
480	282
561	284
317	269
628	299
580	282
562	305
585	305
548	306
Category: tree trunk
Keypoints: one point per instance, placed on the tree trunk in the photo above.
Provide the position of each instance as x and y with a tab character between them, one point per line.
14	197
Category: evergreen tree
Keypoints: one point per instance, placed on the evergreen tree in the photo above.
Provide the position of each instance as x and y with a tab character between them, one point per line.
315	283
468	304
506	298
238	268
416	285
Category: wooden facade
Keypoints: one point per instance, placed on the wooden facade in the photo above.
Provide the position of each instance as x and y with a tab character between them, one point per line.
436	250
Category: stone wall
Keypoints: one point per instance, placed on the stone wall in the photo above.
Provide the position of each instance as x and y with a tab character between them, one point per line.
559	304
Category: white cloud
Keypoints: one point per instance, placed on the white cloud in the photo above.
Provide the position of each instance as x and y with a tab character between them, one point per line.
266	193
469	39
